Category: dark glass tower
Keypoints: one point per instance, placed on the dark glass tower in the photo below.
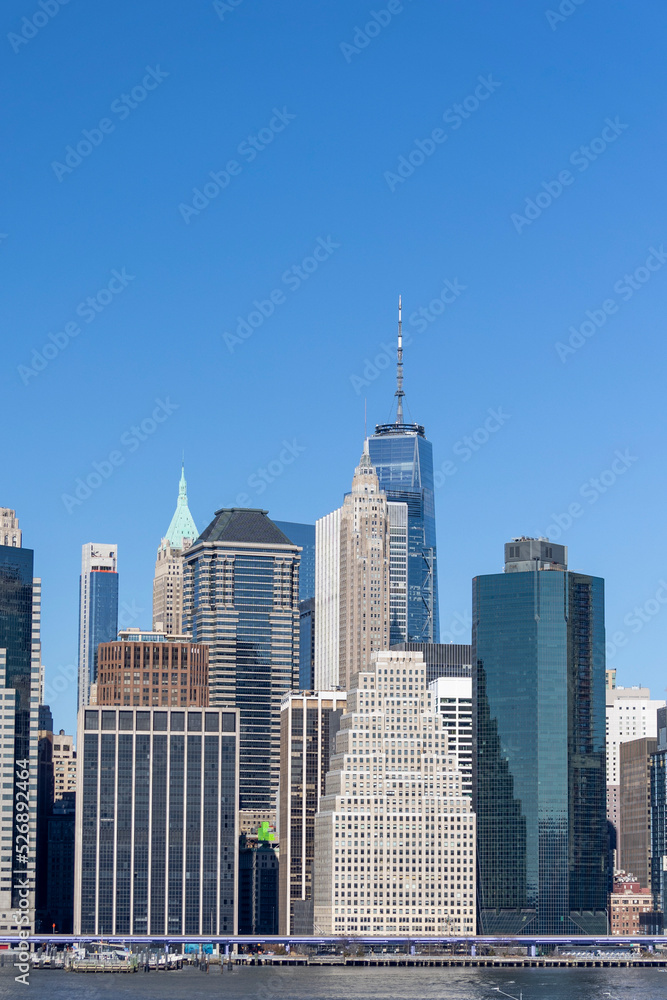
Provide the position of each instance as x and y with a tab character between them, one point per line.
16	687
659	819
539	745
403	460
98	610
241	595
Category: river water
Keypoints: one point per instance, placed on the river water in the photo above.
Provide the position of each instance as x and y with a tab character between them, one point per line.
258	983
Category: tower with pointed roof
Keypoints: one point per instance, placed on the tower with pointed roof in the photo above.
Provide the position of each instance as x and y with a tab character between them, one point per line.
353	594
168	580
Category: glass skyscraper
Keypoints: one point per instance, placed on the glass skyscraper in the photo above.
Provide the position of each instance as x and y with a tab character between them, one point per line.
98	609
403	460
539	745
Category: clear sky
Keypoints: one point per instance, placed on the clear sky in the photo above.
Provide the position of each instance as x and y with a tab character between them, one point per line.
248	188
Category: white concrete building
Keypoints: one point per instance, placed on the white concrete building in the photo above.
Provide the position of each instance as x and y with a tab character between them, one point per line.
452	698
631	714
327	601
395	834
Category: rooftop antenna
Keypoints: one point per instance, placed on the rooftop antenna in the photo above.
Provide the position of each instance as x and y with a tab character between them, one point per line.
399	368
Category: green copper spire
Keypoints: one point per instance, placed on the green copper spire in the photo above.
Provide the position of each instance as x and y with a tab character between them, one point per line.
182	525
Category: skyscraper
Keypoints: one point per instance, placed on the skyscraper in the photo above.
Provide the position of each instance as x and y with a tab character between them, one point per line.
98	609
355	592
241	595
403	460
308	727
631	713
168	580
539	745
19	716
304	536
157	821
395	834
634	836
147	668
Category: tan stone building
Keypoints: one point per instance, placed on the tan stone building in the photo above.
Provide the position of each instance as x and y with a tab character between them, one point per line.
395	833
354	545
168	580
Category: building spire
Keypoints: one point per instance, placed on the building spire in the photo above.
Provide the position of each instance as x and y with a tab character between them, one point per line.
399	368
182	525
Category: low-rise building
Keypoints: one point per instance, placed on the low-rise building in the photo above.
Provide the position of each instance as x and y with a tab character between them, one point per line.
627	903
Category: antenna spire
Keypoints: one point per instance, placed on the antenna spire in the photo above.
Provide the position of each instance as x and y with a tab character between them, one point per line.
399	368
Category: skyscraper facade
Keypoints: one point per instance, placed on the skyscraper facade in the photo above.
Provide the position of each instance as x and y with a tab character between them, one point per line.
353	548
149	669
452	698
308	727
19	715
168	579
98	609
539	745
659	817
395	834
241	596
157	822
631	713
303	535
634	836
442	659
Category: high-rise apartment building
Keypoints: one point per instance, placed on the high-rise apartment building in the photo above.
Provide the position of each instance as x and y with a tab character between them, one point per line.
241	596
403	460
354	590
395	833
630	715
308	726
168	579
452	698
634	836
539	744
151	668
98	609
157	822
20	667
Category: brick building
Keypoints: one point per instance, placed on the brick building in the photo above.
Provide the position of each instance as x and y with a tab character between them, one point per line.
152	669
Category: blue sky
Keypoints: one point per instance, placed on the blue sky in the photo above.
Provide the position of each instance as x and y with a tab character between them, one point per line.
346	174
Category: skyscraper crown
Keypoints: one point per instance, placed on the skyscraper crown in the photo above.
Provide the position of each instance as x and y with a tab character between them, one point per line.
182	523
